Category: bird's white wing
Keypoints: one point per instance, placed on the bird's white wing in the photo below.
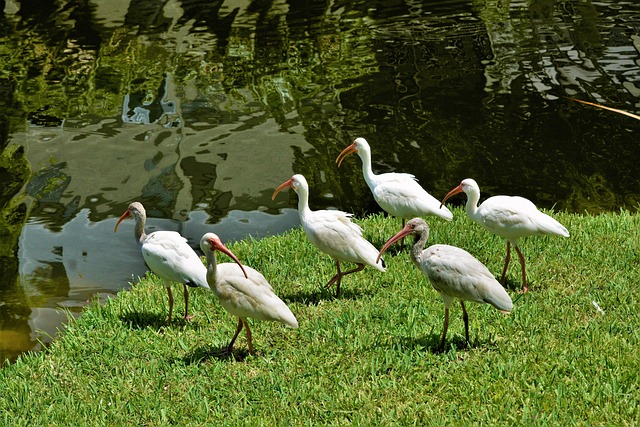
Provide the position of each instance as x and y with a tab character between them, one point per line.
396	177
232	269
513	217
252	297
391	187
336	235
169	256
400	195
338	220
457	273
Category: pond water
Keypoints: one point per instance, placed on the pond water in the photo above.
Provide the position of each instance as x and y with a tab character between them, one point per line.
199	109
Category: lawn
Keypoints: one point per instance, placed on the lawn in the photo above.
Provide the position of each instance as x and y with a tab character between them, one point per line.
566	355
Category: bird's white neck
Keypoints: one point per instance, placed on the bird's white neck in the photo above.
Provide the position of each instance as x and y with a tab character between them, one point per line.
471	207
303	202
367	172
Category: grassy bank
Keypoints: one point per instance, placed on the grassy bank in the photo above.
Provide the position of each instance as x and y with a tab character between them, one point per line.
368	357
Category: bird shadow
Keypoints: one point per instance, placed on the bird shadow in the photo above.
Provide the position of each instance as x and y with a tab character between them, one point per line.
513	285
145	319
317	296
203	354
431	343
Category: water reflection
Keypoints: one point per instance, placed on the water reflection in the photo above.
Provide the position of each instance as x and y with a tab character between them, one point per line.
145	109
199	109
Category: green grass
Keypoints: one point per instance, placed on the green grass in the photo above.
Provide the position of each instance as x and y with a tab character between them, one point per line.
368	357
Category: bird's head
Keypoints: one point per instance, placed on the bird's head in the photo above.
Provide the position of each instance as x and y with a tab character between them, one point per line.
467	186
359	146
135	210
210	242
415	226
297	183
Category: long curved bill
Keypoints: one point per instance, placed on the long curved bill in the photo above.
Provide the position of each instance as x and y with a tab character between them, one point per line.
124	216
345	153
222	248
281	187
393	239
453	192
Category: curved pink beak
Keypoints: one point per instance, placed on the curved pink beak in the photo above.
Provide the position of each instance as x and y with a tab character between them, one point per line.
282	186
393	239
453	192
346	152
124	216
217	244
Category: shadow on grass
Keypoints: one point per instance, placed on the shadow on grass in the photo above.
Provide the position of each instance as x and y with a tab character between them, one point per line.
204	354
515	289
143	320
431	343
511	285
325	294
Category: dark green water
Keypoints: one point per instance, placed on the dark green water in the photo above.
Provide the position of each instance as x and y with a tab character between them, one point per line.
199	109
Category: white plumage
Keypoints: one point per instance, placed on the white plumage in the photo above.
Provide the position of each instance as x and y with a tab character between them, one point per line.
454	273
333	233
169	256
399	194
242	291
510	217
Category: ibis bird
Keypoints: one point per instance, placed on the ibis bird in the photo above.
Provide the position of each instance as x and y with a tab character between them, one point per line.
454	273
333	233
168	255
398	194
242	291
510	217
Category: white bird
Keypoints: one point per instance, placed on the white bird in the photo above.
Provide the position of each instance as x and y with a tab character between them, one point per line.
333	233
454	273
169	256
510	217
399	194
242	291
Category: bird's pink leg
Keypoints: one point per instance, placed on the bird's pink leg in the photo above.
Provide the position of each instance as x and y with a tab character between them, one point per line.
445	326
233	340
465	317
170	303
248	332
186	304
336	277
524	273
355	270
339	279
506	262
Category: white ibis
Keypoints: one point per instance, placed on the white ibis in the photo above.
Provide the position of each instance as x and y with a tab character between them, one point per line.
169	256
510	217
399	194
454	273
333	233
242	291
